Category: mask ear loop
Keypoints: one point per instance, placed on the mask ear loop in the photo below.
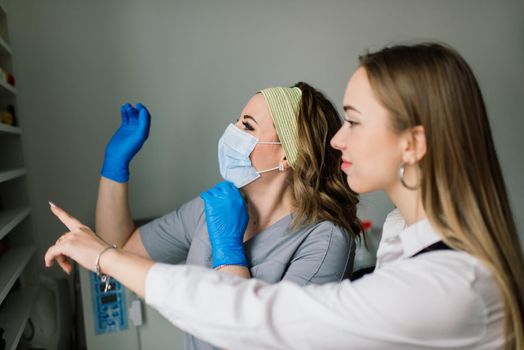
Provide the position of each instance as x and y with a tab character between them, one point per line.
280	167
270	142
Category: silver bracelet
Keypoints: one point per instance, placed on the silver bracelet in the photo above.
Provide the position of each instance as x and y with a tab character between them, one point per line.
103	277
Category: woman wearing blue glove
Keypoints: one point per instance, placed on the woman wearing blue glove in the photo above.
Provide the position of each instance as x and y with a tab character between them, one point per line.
449	265
298	219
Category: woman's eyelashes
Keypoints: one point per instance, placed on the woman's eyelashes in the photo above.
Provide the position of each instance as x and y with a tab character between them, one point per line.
351	123
247	126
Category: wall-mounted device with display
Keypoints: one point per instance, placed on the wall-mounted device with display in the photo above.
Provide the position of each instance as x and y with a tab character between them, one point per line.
109	307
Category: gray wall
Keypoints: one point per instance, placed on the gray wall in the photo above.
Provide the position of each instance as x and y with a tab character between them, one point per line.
196	63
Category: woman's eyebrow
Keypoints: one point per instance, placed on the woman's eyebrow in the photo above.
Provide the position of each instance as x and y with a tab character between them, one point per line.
250	117
348	108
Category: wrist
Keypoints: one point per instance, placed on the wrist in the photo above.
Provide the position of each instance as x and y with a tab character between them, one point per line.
106	260
114	170
226	256
236	270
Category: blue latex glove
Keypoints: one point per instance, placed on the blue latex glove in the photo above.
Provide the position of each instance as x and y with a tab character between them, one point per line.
226	218
126	142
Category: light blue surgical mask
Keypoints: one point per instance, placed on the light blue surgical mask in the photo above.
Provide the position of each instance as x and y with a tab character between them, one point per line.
234	148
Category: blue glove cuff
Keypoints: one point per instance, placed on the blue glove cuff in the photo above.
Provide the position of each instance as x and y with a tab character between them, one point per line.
229	255
116	173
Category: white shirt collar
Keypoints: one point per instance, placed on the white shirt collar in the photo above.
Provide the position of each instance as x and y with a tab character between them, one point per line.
413	238
418	236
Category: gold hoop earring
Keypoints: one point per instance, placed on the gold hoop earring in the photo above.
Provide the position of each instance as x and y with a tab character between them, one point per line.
403	181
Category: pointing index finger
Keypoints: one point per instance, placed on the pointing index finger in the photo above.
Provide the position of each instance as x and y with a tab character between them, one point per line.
70	222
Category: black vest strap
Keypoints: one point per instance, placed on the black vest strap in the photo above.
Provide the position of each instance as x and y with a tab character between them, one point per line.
440	245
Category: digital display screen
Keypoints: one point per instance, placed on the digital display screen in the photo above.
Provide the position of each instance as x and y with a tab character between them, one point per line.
108	298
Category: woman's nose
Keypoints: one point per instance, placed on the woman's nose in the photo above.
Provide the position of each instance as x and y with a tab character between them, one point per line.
337	141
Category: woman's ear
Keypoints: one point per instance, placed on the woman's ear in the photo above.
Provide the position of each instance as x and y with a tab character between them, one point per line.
415	146
285	164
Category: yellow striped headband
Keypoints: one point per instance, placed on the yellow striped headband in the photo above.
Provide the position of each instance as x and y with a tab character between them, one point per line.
284	104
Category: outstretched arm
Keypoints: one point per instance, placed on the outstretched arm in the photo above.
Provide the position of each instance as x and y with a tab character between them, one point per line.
113	217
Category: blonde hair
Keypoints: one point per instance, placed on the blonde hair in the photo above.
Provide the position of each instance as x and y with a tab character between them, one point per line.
463	191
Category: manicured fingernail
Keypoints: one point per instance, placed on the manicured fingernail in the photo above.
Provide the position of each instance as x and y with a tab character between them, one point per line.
53	205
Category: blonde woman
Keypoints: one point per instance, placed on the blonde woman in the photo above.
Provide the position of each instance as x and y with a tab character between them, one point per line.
449	267
298	227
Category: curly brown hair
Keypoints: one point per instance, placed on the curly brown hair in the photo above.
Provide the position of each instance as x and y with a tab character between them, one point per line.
319	185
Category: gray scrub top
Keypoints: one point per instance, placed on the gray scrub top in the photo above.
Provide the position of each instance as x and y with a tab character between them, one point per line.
317	253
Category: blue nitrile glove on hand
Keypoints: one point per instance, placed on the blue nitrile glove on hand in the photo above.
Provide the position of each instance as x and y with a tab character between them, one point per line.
126	142
226	218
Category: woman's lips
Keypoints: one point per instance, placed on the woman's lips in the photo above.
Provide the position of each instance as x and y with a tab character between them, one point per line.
345	165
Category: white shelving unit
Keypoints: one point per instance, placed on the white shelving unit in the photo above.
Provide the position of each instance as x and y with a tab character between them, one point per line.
11	174
15	314
8	129
6	88
18	281
10	218
13	263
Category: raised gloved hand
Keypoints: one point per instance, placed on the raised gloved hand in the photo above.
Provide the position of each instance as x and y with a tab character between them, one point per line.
226	218
126	142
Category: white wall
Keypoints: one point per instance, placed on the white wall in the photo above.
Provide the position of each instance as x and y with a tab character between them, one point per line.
196	63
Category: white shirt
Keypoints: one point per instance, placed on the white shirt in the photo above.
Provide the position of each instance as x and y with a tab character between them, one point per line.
437	300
